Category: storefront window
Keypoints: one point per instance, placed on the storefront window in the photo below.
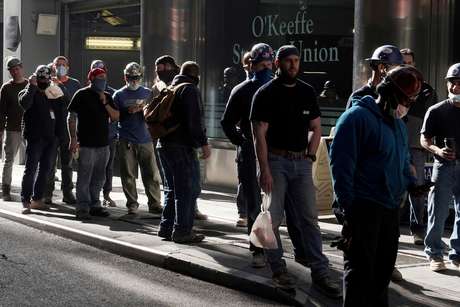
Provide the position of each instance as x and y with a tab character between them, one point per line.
322	30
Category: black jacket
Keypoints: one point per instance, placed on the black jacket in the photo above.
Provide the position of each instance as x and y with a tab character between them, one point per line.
187	110
43	118
235	120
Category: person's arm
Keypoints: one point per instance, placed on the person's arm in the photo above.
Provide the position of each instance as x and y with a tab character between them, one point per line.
315	127
3	110
231	117
344	157
260	129
26	96
72	127
191	103
107	102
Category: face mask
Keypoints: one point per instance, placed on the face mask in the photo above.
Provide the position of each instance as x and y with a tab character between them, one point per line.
42	85
133	85
61	70
166	75
98	84
454	97
263	75
401	111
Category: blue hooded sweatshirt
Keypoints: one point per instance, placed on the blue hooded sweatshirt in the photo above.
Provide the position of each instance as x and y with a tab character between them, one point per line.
369	157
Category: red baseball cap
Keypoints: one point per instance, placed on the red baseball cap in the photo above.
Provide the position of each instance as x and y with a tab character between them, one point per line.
93	73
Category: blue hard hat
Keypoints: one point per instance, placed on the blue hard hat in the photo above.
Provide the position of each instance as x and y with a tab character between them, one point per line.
261	52
453	72
387	54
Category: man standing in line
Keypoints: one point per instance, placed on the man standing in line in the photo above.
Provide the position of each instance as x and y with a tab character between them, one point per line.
237	127
179	159
383	59
90	112
113	141
135	146
40	133
371	174
61	66
441	136
414	122
10	120
283	113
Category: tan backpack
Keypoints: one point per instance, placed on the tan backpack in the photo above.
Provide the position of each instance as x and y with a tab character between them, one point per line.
157	113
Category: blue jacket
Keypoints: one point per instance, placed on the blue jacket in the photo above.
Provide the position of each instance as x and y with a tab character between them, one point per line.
369	157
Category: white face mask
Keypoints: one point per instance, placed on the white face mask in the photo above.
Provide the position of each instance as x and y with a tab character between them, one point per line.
401	111
133	85
454	97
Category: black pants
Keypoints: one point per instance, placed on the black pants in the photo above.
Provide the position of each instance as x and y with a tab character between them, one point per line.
371	257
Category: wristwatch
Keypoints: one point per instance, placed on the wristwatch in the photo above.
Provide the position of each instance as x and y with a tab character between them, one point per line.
312	157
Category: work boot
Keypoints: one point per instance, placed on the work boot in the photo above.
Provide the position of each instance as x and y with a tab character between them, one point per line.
155	209
188	239
38	205
327	287
242	222
26	208
99	211
108	202
396	275
69	198
418	239
284	280
258	260
6	189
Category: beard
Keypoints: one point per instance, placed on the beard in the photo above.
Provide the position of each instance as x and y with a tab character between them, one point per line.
285	77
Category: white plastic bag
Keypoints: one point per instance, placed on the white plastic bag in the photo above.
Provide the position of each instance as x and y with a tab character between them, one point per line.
262	234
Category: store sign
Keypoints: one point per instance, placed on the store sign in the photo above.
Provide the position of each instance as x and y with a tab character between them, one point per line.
296	30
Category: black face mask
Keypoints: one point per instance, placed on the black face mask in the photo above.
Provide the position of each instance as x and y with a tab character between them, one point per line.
43	85
166	75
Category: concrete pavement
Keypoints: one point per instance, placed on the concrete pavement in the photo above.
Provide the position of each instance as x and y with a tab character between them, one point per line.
224	257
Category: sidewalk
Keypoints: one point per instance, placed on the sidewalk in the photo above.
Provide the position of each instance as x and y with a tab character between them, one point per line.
223	258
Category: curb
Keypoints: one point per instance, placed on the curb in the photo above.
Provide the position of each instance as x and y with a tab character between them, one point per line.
216	274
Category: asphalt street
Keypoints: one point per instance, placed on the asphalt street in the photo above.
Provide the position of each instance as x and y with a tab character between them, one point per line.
41	269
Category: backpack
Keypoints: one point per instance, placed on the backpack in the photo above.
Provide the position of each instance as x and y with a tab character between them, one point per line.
157	113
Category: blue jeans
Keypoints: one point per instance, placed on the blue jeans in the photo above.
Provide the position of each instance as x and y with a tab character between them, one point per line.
417	203
292	179
446	178
39	155
181	187
109	168
92	162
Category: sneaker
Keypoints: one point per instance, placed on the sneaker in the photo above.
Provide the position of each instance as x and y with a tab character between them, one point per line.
165	234
437	264
327	287
200	216
284	280
396	275
258	260
38	205
69	198
418	239
188	239
82	215
26	208
99	211
158	209
108	202
242	222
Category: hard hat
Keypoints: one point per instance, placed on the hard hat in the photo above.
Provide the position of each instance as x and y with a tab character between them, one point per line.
453	72
98	64
261	52
133	70
387	54
13	61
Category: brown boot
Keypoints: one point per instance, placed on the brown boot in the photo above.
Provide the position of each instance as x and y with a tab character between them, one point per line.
38	205
6	189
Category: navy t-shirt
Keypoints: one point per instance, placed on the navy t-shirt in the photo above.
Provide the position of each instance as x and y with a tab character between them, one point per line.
288	111
72	86
132	127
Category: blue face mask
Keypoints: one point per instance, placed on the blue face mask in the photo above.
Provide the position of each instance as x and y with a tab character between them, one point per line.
61	70
98	84
263	75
